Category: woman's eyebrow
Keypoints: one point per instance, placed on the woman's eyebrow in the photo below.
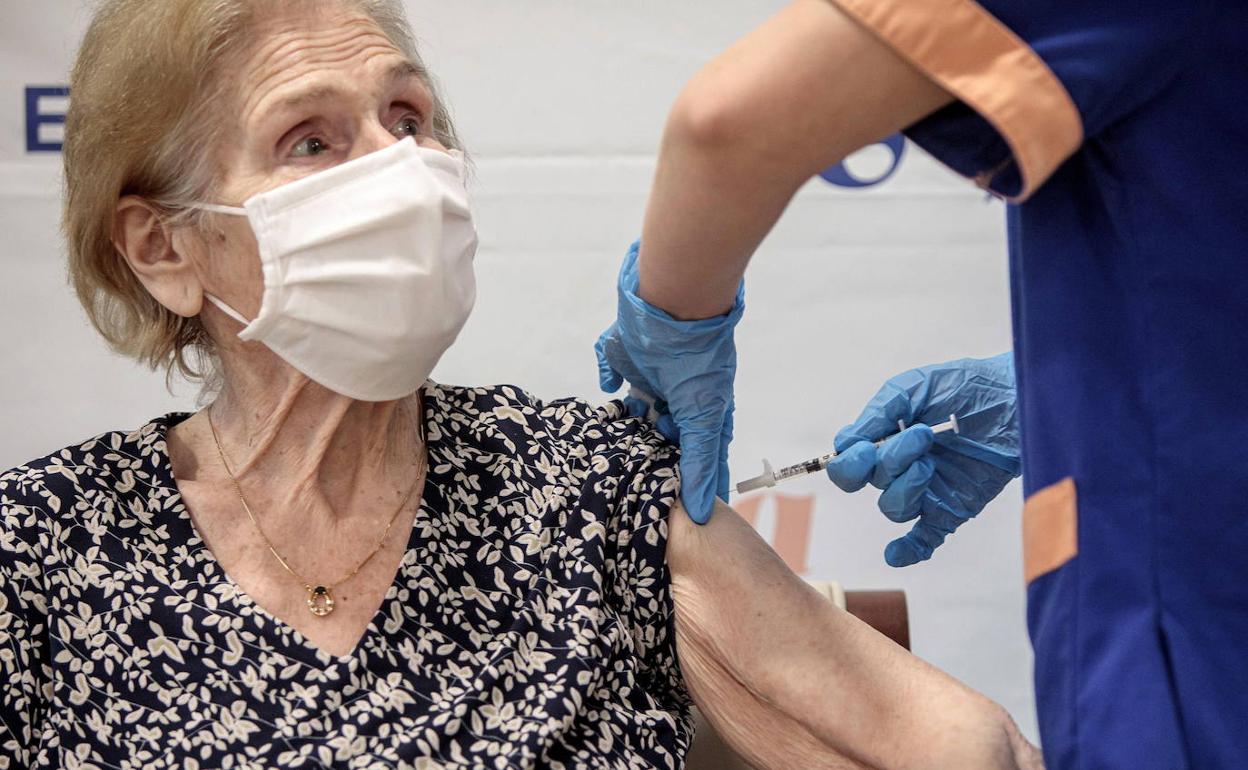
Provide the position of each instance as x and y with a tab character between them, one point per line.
404	71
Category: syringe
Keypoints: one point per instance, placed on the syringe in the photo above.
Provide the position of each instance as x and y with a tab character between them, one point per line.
770	477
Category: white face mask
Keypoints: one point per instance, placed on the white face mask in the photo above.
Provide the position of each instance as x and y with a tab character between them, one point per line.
368	274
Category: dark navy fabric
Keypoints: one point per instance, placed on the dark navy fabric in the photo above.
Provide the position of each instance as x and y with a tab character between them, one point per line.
529	625
1130	292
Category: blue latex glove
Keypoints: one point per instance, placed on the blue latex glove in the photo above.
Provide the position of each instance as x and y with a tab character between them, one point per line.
688	367
942	480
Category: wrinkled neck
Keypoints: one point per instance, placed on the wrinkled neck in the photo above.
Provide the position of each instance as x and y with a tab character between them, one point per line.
280	429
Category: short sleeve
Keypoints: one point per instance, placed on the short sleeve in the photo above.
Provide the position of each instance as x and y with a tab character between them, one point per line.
644	582
1033	80
637	473
23	620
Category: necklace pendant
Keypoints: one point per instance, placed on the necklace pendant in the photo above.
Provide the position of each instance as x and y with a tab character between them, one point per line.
320	603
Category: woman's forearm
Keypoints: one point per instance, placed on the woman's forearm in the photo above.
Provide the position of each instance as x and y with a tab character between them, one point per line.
791	98
849	687
761	734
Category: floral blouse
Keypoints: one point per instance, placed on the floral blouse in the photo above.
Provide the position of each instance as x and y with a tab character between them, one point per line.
529	625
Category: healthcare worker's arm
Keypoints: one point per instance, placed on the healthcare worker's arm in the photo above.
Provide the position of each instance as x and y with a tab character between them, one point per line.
789	680
793	97
790	99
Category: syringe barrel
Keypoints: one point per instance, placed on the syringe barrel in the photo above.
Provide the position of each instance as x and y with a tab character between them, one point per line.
816	464
791	472
813	465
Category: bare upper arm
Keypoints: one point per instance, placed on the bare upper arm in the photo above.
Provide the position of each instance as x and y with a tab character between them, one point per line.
756	729
806	89
798	94
785	676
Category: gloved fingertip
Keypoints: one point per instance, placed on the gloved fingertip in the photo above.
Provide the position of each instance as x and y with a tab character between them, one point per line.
851	469
904	552
609	383
635	407
902	499
846	438
666	424
608	378
699	509
699	480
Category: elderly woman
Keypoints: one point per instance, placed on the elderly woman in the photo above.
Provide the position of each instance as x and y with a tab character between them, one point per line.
337	563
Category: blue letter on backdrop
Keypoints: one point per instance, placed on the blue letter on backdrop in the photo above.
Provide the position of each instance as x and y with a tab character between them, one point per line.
840	176
35	118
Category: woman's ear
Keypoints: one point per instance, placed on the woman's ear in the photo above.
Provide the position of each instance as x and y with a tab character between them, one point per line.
143	237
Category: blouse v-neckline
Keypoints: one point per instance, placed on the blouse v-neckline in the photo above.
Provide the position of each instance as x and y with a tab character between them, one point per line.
204	560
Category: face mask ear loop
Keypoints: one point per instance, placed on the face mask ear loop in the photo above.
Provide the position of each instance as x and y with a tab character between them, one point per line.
234	211
231	312
216	209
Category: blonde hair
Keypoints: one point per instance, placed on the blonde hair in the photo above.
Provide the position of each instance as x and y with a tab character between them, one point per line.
145	106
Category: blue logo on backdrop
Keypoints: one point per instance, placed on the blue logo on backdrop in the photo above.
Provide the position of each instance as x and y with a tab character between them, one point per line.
840	176
42	114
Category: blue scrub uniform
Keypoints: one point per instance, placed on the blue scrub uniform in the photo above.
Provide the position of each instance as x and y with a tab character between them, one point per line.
1120	133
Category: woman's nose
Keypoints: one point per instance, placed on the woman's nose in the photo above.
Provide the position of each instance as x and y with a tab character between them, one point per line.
373	137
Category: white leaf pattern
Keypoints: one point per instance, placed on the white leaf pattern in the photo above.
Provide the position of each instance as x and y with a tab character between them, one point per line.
529	625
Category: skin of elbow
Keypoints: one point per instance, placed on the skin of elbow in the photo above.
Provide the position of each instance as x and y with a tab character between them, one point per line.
711	121
990	739
704	117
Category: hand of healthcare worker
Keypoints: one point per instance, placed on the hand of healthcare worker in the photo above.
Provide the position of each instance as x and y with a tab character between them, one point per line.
942	480
688	367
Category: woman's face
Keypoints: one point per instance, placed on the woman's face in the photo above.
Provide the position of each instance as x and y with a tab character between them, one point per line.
321	86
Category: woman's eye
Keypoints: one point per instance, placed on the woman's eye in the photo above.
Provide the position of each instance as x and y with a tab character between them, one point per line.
408	126
309	147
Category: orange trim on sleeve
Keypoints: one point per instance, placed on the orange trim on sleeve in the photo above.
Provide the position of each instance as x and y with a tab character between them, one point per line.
972	55
1050	529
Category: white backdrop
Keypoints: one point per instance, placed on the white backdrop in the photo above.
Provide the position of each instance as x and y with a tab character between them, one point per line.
562	104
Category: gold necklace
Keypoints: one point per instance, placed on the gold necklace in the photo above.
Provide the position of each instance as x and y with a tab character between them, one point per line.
320	598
